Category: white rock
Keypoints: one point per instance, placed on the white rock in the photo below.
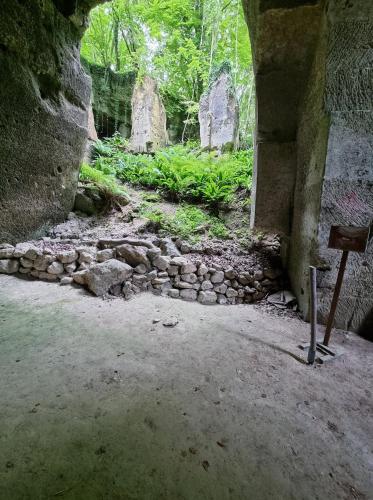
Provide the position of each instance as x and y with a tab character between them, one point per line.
178	261
202	270
100	277
70	268
217	277
222	299
188	268
173	270
140	269
134	255
188	294
183	284
231	292
207	297
88	256
207	285
21	249
55	268
161	262
189	278
221	288
173	292
9	266
106	254
67	256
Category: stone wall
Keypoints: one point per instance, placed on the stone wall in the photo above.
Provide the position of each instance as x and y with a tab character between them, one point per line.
44	98
313	65
124	267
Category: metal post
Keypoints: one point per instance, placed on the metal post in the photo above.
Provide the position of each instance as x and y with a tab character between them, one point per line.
313	319
337	290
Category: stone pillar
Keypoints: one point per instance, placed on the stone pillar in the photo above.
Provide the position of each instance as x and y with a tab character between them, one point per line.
283	43
313	66
148	118
219	115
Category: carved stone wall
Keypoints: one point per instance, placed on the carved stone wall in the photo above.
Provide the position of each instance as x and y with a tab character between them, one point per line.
313	65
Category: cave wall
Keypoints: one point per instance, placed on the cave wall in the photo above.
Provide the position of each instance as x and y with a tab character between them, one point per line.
44	98
325	114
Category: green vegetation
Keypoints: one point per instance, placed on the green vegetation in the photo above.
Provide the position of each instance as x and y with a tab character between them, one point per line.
181	173
189	222
180	43
106	186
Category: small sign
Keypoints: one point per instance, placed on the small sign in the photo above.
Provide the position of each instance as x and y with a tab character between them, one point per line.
349	238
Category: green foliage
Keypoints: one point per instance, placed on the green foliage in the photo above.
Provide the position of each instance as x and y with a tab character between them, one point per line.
181	172
189	222
178	42
107	185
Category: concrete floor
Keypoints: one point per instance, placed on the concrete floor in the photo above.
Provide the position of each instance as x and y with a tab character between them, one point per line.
97	402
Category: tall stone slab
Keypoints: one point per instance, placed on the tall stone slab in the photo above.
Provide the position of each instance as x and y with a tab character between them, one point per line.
148	118
219	115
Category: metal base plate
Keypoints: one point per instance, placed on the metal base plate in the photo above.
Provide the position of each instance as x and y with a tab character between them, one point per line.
323	353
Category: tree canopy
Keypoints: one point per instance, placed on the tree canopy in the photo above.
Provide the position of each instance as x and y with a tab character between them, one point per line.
178	42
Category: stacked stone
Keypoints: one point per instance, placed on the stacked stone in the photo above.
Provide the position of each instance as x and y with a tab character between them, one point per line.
130	266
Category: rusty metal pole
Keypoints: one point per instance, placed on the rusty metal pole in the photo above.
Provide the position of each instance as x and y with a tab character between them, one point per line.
333	307
313	316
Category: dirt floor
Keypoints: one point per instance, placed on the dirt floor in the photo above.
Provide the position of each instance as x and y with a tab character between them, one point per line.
100	400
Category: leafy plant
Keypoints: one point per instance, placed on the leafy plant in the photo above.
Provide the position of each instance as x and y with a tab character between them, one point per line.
182	172
107	186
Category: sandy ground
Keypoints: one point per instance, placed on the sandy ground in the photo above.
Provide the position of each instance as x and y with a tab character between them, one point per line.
99	402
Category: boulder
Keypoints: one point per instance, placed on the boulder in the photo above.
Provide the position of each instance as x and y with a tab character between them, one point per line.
207	297
9	266
218	115
188	294
55	268
133	255
100	277
148	118
67	256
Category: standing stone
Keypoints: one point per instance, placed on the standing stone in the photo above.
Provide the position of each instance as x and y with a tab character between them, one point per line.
218	115
148	118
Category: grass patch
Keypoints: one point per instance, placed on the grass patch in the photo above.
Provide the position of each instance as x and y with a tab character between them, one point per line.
189	222
181	172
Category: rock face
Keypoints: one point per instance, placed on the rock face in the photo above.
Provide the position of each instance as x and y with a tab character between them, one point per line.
218	115
44	100
148	118
111	99
314	144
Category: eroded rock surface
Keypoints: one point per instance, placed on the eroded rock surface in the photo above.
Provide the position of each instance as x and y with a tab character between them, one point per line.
218	115
148	118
